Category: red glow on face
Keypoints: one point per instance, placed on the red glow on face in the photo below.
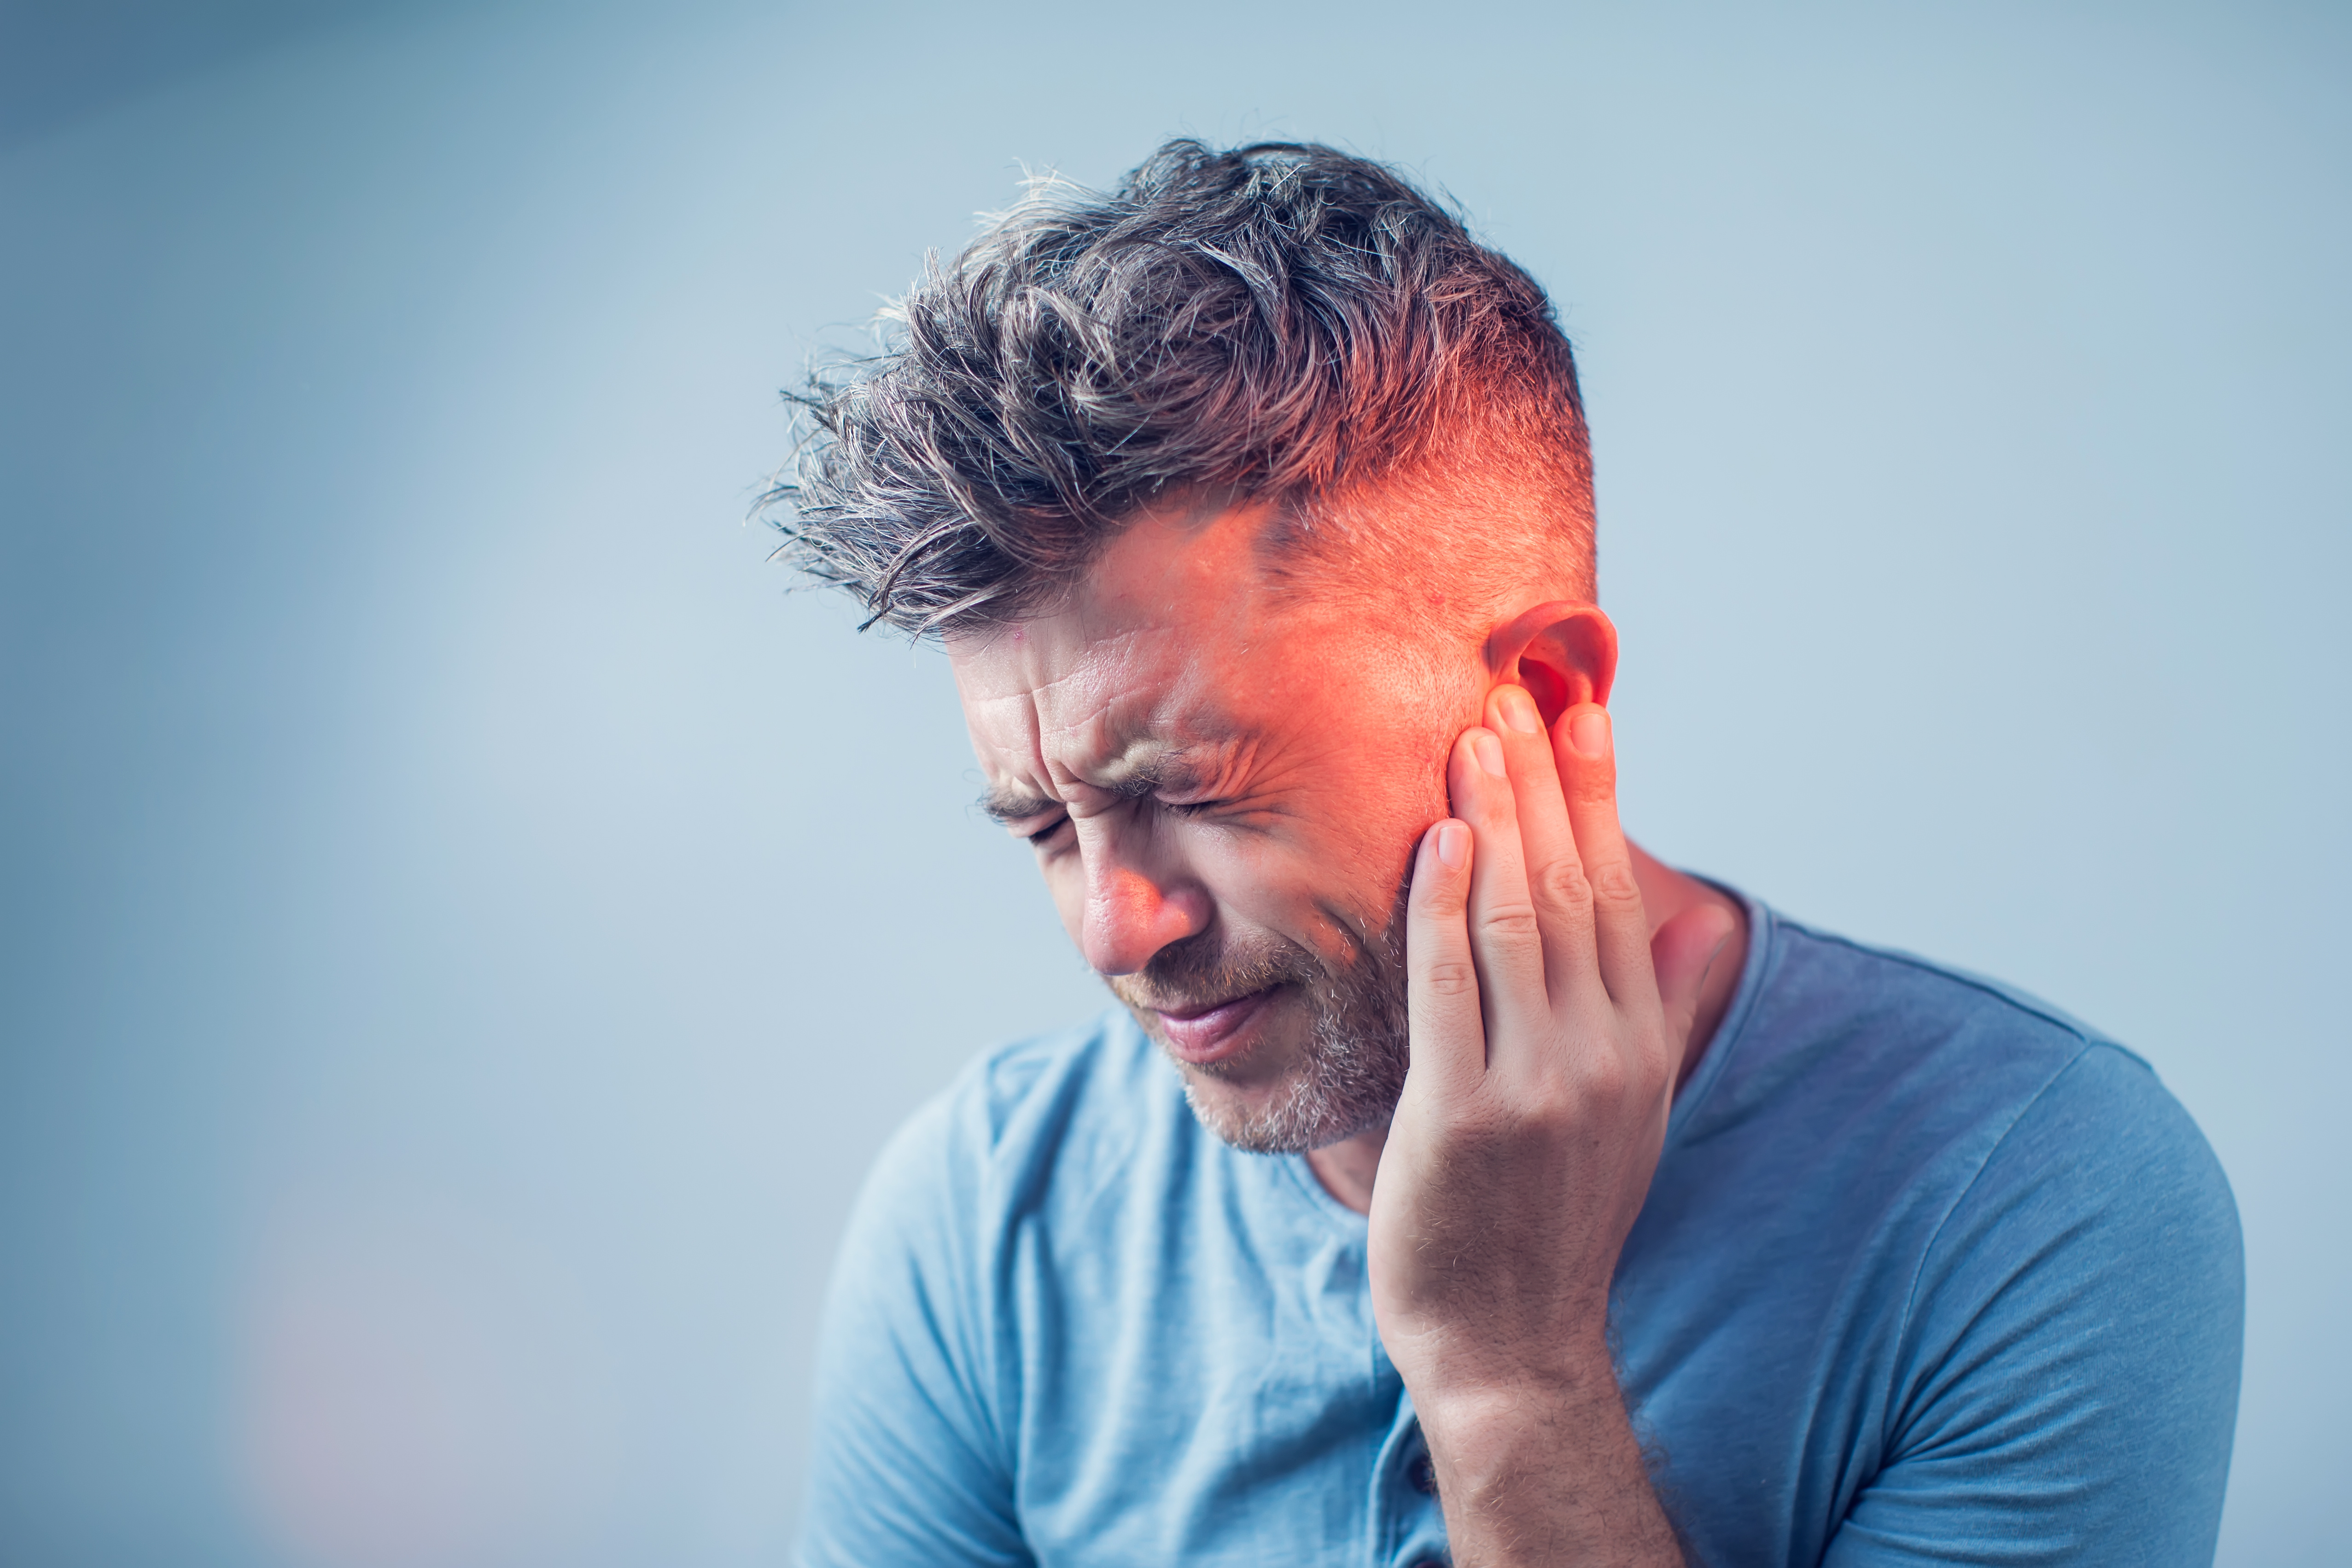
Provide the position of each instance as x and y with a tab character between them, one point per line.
1207	763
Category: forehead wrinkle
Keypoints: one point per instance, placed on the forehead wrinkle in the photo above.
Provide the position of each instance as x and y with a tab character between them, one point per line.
1021	755
1129	741
1031	721
1075	754
1127	714
1164	755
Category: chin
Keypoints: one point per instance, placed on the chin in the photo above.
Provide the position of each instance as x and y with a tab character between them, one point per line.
1258	1123
1294	1114
1296	1077
1222	1104
1252	1094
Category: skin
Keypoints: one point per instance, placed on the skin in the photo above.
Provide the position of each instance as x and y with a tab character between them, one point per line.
1197	754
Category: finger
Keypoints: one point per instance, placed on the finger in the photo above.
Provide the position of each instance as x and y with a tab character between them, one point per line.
1447	1032
1503	935
1683	952
1555	872
1587	758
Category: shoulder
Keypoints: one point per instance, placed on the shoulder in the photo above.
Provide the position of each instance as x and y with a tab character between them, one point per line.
1823	979
2026	1250
2063	1177
919	1374
1956	1060
1047	1109
2101	1186
1840	1031
2084	1289
1957	1131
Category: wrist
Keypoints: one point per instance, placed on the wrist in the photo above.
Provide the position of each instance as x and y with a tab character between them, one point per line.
1484	1386
1536	1461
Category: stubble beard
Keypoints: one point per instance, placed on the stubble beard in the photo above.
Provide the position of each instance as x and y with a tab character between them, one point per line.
1357	1049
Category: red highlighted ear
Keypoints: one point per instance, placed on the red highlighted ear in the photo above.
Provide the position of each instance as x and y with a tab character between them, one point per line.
1564	651
1548	687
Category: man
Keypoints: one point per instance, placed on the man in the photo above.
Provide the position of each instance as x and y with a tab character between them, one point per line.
1514	1197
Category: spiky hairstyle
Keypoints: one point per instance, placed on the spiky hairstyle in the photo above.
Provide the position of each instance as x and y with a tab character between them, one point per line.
1282	320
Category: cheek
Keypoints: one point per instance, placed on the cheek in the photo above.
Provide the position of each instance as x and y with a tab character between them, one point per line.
1256	880
1371	843
1349	859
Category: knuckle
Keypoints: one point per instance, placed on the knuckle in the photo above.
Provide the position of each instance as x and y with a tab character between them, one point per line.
1446	902
1604	1081
1563	882
1613	884
1492	812
1452	978
1551	1116
1511	923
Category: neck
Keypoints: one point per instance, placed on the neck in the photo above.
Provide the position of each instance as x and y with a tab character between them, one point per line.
1347	1168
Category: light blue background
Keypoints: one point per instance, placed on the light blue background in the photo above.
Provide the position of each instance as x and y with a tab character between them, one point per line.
466	929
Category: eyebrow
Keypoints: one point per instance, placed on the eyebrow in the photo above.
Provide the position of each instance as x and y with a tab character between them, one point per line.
1014	803
1010	803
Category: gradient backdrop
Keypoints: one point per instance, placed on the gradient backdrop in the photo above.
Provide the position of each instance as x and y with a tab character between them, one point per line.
466	927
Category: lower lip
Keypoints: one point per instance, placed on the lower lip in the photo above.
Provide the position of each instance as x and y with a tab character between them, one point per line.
1213	1035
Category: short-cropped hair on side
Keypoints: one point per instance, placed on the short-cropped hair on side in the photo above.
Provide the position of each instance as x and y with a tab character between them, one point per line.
1282	321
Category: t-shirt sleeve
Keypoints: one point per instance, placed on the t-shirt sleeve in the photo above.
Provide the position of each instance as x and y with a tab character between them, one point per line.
2072	1350
909	1465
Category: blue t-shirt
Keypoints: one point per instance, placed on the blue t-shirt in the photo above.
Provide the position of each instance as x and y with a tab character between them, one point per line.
1929	1273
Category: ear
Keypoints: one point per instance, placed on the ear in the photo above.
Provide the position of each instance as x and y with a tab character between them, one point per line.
1564	653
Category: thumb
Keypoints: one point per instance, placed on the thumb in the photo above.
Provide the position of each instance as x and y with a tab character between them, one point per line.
1682	951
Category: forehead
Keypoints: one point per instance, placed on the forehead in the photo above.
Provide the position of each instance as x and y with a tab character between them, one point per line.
1174	637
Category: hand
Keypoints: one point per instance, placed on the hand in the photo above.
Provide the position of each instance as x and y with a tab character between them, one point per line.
1547	1028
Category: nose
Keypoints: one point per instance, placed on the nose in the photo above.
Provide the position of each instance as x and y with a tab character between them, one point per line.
1131	914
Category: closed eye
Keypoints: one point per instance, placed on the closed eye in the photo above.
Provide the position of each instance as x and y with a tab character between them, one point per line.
1043	836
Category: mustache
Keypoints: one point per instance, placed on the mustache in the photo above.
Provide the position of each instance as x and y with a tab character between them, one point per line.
1204	971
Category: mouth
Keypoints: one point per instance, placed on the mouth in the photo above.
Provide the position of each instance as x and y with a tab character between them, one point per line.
1203	1035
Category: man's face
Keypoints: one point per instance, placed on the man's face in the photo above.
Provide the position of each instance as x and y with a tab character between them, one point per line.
1224	786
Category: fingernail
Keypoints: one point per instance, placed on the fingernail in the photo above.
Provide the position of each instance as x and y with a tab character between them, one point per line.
1588	732
1453	844
1489	752
1519	711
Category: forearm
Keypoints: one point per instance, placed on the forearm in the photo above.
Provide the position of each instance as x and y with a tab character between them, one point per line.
1546	1472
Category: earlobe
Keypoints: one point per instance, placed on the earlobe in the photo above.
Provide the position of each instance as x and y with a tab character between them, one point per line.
1564	651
